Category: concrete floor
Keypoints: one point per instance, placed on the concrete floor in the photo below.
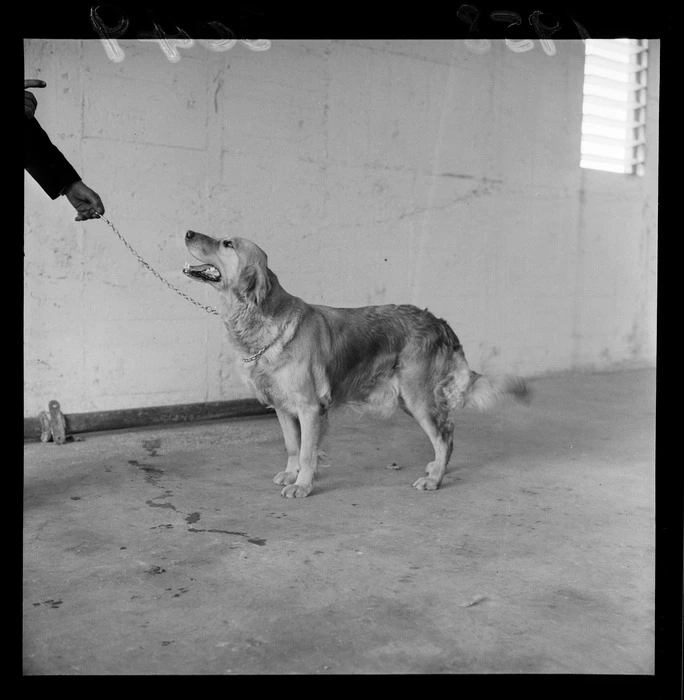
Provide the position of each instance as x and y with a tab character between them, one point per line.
170	550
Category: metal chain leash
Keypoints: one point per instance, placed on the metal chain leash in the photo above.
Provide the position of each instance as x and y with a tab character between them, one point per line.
144	263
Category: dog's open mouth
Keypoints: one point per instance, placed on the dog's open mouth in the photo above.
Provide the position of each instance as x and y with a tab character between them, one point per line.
208	273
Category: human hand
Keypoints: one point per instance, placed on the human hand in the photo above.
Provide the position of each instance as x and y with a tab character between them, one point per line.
30	102
86	202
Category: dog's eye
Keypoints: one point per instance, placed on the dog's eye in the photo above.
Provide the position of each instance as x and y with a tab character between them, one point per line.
227	244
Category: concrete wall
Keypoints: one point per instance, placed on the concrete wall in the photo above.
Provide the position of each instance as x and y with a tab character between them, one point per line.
370	171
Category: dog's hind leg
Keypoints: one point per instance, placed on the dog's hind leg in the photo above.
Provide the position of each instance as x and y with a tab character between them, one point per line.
289	424
433	417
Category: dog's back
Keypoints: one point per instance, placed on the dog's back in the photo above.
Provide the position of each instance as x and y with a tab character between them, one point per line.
365	350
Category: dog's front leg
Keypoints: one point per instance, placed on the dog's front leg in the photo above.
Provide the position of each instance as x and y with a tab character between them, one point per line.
289	424
310	421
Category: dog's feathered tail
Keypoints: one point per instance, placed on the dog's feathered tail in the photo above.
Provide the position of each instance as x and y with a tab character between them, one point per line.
485	392
465	388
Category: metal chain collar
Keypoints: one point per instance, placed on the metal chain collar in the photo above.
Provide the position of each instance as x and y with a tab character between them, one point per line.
144	263
256	355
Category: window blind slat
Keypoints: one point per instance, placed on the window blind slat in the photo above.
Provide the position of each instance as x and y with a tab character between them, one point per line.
609	102
607	64
622	85
606	121
607	141
602	160
612	46
603	141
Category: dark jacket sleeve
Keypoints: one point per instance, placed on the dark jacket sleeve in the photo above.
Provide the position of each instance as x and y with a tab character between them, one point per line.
44	161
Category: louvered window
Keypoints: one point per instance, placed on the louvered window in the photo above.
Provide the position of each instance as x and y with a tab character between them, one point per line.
614	107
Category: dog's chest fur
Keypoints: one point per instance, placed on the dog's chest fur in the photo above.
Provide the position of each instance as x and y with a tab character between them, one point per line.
278	387
277	380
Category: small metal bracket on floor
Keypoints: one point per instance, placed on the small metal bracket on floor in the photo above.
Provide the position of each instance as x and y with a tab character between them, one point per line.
52	424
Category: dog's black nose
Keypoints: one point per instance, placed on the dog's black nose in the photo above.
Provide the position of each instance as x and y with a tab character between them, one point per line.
189	235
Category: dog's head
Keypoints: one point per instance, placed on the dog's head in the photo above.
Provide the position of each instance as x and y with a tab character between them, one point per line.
234	265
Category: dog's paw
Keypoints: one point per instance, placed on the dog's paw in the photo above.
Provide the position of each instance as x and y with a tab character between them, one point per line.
296	491
425	483
285	478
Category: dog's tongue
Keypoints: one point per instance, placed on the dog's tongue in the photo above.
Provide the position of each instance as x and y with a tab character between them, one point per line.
205	269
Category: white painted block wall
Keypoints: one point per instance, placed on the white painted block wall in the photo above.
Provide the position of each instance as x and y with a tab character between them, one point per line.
370	171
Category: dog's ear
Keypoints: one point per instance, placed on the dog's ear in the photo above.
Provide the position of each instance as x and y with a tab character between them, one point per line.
254	283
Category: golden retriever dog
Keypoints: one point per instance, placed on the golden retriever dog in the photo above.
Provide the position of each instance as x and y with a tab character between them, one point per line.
305	359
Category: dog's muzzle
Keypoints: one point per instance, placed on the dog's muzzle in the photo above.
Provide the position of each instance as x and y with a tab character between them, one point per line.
205	272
